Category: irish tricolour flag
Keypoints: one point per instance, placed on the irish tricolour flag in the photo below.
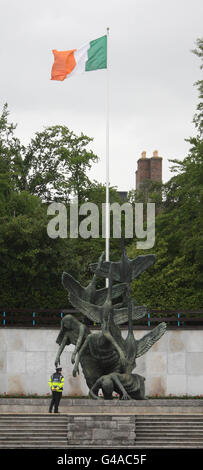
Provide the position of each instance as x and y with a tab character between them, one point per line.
91	56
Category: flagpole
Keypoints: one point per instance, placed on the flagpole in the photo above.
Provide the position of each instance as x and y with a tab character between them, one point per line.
107	157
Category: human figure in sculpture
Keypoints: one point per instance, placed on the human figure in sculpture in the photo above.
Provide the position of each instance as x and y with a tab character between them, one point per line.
128	386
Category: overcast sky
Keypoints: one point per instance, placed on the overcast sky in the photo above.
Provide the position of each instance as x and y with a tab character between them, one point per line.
152	72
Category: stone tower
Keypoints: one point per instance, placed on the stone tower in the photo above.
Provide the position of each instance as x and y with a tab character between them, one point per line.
148	168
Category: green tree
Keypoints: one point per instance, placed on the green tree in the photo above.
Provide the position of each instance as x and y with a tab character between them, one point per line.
10	157
31	263
198	117
56	163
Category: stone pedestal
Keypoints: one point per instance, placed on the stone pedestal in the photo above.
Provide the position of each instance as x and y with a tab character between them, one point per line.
96	430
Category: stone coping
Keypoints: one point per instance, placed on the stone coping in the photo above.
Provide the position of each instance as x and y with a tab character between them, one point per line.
173	402
86	407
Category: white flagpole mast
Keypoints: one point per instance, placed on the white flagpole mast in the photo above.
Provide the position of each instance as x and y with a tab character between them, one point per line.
107	156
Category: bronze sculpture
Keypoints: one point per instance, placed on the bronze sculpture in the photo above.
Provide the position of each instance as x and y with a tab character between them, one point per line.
106	358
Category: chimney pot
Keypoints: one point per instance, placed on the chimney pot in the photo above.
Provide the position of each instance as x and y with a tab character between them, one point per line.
155	153
143	154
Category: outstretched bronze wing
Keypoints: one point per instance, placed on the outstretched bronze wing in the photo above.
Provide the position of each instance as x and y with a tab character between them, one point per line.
120	315
93	312
141	263
125	270
145	343
117	290
90	293
103	271
72	285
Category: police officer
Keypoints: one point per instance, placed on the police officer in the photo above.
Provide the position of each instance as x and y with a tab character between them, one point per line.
56	385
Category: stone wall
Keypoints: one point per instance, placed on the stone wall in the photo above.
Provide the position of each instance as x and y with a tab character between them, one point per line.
106	429
174	365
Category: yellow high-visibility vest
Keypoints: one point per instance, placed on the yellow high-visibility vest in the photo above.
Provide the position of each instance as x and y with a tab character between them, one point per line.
56	382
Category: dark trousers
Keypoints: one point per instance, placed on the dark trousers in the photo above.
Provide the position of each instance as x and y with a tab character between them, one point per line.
56	396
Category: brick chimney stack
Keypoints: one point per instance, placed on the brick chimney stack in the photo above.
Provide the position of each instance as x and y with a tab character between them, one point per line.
148	168
155	153
156	167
